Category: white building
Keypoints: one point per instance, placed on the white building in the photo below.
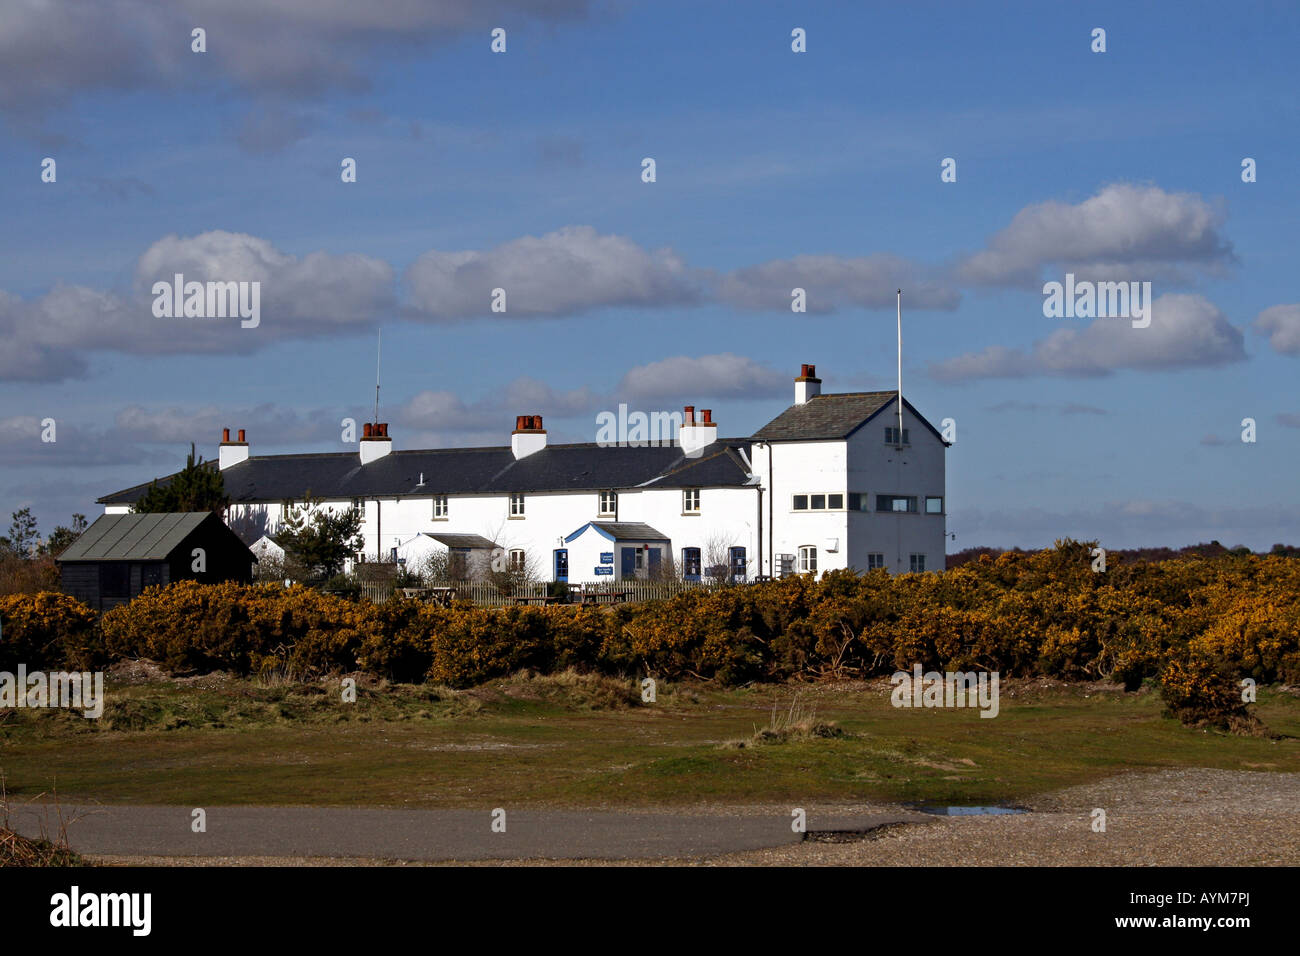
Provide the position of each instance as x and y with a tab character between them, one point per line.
829	483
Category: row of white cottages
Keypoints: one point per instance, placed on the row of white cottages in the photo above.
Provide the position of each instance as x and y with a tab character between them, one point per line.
829	483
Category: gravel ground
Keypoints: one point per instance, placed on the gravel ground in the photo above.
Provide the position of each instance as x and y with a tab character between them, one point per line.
1164	818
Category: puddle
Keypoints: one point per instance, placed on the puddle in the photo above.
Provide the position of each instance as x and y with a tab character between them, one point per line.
944	811
850	836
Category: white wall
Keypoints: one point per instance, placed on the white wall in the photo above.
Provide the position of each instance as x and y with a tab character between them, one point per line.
728	516
803	468
866	465
878	468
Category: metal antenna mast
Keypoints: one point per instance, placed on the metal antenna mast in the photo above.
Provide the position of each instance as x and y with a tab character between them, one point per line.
378	350
900	368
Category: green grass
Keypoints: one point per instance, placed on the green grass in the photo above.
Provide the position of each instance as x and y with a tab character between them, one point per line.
588	741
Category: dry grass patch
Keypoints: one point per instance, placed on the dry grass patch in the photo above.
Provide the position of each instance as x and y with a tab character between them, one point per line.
798	723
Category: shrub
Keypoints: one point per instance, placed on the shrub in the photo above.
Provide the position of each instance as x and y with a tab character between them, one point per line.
190	627
1198	624
1201	691
47	631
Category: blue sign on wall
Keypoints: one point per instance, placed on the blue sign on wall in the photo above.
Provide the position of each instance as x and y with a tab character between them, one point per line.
604	569
607	557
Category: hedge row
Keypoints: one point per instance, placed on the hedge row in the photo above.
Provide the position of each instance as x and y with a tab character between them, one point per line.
1200	624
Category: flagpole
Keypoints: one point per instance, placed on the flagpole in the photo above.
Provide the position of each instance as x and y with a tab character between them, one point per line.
379	347
900	368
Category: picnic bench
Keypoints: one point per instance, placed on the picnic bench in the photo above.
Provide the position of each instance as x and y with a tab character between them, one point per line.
443	597
604	597
542	599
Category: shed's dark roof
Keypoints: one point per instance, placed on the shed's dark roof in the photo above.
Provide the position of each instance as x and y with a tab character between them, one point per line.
622	531
132	537
832	417
474	541
460	471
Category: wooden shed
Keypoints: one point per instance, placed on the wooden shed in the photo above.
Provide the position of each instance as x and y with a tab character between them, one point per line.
120	555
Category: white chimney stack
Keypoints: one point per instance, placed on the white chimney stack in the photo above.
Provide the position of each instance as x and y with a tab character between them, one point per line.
375	443
231	452
697	435
529	436
807	385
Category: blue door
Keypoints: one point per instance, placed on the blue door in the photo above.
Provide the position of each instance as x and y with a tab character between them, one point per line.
738	567
654	557
562	565
629	563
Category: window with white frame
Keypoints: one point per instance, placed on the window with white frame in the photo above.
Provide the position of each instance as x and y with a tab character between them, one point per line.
875	560
691	501
902	503
439	507
608	504
516	505
916	562
517	559
807	558
817	502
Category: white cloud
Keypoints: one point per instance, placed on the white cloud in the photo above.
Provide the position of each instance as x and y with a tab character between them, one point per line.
1186	331
1125	232
836	282
691	377
267	425
52	51
1281	323
566	272
21	444
48	338
445	413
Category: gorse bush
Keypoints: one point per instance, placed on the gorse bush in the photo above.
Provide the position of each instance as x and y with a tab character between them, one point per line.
1198	625
47	631
192	628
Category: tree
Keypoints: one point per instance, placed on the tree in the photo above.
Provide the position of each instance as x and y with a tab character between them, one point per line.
717	557
22	540
61	537
513	570
435	568
319	539
196	487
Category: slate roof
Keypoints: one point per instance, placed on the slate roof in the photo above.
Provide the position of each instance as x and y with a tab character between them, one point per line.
462	471
270	479
131	537
622	531
832	417
473	541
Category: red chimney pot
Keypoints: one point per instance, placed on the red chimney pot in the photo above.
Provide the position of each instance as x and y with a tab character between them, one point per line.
225	435
241	434
367	430
690	414
707	414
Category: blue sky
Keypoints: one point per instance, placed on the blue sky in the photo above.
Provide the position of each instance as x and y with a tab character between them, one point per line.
774	169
